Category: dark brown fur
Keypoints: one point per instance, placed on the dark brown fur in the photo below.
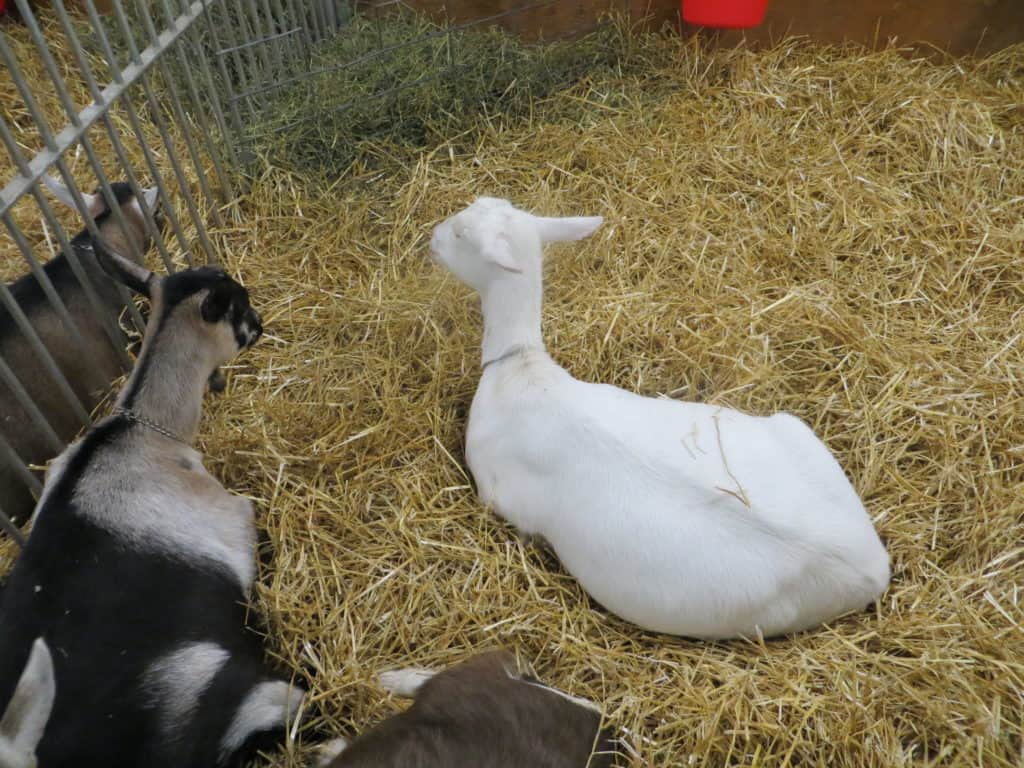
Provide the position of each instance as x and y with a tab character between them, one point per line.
89	371
475	715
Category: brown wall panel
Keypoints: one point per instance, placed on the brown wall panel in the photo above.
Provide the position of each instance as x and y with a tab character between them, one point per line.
959	26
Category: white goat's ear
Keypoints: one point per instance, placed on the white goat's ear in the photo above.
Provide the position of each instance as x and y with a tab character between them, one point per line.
25	720
499	251
123	270
94	203
563	230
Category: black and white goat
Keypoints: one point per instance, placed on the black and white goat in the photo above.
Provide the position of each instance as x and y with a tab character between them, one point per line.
89	370
480	713
139	564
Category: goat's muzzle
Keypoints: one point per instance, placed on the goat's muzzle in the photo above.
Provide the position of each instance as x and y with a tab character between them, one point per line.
252	326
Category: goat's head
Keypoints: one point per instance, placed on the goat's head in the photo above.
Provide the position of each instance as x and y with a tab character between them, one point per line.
27	713
135	241
204	307
491	237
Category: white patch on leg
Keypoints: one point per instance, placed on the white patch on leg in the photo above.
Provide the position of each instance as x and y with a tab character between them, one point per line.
28	711
268	706
329	750
175	682
405	682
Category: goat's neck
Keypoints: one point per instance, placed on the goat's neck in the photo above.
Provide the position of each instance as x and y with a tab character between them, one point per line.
512	313
167	384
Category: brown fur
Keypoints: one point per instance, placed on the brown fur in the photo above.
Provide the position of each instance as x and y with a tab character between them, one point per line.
89	371
477	714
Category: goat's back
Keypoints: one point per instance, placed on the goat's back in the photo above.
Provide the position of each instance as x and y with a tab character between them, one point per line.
107	611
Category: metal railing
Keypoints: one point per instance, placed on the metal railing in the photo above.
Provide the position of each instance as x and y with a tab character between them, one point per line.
170	68
174	85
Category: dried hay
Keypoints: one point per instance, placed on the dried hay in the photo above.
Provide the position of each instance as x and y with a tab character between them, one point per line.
830	232
30	139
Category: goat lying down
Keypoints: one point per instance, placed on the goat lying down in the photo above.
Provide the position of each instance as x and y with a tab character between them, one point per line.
683	518
139	564
23	722
480	713
89	370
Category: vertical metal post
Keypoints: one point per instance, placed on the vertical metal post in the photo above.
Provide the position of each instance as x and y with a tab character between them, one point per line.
179	114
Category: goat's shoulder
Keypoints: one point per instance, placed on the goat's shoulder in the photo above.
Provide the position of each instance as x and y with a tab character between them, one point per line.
153	496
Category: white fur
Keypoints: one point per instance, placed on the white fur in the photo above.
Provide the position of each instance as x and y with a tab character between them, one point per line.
267	706
177	680
585	703
24	721
161	507
329	750
404	682
682	518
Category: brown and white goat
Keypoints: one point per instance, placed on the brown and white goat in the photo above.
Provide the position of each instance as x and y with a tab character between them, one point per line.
139	565
88	370
480	713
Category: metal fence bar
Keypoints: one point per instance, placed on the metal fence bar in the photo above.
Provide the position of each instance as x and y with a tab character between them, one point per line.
294	33
11	458
147	216
245	62
70	110
165	136
140	137
11	529
71	135
42	125
25	401
211	28
52	370
298	22
227	191
179	115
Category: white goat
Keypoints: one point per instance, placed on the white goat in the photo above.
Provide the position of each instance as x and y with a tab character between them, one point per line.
683	518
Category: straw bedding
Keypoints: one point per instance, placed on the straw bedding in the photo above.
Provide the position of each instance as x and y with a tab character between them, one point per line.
826	231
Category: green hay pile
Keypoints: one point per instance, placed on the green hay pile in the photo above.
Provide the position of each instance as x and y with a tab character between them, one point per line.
826	231
397	83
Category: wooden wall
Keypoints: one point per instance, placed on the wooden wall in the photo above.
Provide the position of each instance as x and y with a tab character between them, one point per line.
960	26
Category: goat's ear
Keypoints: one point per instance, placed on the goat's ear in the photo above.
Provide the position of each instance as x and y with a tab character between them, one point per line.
25	720
93	203
498	250
563	230
124	271
150	196
217	302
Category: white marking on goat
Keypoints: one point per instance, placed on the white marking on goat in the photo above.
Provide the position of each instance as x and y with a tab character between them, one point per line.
585	703
269	705
405	682
329	750
160	508
177	680
27	713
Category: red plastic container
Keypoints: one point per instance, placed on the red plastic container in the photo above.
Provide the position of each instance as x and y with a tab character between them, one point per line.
727	14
